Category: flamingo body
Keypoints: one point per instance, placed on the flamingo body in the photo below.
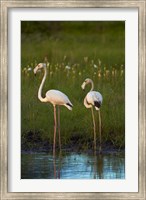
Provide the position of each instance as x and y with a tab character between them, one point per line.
93	98
58	98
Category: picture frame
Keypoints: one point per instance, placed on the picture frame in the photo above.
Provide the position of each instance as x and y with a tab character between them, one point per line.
5	5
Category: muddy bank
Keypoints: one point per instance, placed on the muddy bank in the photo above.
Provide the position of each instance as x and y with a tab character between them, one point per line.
34	143
79	148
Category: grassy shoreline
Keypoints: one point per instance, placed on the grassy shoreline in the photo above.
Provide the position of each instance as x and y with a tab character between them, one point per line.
37	117
39	147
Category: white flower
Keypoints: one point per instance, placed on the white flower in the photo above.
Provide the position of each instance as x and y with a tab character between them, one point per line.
29	69
67	67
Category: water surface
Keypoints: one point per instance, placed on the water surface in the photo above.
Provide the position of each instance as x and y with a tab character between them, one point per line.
72	166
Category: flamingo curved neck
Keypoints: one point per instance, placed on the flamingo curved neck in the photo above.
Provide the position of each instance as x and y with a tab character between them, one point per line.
92	85
41	86
86	103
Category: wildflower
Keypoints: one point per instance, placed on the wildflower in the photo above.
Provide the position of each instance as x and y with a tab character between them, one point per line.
48	64
99	74
67	67
95	66
24	69
29	69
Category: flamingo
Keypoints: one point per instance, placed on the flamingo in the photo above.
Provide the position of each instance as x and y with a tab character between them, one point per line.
55	97
93	98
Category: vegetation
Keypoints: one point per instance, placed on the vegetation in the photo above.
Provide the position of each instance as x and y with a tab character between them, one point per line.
73	51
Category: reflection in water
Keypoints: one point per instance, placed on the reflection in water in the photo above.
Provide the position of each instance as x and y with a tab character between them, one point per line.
54	163
73	166
100	166
57	170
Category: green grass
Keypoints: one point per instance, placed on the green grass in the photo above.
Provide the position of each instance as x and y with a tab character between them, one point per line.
82	51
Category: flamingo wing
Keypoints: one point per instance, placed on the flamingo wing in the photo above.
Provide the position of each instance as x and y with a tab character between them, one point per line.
57	97
94	98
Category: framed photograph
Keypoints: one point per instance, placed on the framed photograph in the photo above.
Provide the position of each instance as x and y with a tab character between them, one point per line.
73	99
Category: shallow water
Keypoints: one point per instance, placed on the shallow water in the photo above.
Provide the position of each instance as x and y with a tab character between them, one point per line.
72	166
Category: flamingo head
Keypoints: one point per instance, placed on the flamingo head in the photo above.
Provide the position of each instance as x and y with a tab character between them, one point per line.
86	81
39	67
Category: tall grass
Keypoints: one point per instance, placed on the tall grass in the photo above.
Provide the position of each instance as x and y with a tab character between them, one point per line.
72	57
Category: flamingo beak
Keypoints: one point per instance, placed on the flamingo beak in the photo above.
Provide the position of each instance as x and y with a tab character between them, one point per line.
83	86
35	70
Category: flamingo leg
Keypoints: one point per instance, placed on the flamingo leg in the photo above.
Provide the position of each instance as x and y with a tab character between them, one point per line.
99	131
59	127
94	127
55	124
